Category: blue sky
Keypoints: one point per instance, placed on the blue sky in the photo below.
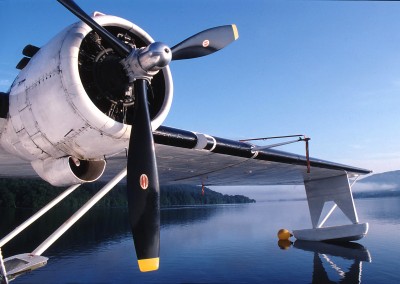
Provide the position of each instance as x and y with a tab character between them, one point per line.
330	70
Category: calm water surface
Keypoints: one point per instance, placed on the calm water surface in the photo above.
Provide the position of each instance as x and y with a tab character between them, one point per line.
212	244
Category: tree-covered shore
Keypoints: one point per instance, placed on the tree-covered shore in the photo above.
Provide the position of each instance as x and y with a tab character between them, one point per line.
23	193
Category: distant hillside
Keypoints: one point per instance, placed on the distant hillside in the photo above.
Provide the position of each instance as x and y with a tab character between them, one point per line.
192	195
383	178
385	184
21	193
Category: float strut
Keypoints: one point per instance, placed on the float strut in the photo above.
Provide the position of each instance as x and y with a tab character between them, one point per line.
3	270
327	216
37	215
78	214
334	207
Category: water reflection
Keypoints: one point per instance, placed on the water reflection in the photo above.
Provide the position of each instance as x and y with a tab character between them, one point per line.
208	244
385	209
187	215
100	227
284	244
324	256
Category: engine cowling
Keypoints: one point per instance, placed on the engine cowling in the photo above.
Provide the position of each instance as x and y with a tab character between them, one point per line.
73	97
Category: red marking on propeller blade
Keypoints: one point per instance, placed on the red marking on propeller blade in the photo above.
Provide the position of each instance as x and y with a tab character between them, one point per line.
144	181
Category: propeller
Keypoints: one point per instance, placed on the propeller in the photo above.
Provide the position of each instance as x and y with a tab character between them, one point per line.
205	42
143	188
141	64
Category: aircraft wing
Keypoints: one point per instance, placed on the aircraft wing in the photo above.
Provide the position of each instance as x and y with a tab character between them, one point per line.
185	157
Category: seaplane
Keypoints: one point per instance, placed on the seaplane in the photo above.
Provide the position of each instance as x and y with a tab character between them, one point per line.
90	104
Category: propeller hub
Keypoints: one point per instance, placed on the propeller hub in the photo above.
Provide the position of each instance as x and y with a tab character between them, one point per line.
144	63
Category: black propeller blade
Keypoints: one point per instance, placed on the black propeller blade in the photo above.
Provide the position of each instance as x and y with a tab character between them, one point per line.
142	177
205	42
143	187
117	45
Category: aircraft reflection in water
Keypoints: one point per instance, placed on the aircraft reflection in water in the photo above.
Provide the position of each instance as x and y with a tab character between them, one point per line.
323	253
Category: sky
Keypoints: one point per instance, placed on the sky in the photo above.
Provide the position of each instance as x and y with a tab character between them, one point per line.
326	69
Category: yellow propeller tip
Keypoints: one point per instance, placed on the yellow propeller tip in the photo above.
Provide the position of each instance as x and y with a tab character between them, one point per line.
150	264
235	32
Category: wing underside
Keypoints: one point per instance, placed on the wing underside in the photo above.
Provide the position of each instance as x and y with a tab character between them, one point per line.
191	158
185	157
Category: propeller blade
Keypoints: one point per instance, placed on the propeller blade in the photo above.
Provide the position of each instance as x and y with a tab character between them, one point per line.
142	185
205	42
122	49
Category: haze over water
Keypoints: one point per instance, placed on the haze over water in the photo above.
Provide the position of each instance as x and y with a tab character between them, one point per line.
213	244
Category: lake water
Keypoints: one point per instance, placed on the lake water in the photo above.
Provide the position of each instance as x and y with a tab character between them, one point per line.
212	244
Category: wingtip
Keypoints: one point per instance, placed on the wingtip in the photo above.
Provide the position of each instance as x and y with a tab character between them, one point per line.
150	264
235	31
